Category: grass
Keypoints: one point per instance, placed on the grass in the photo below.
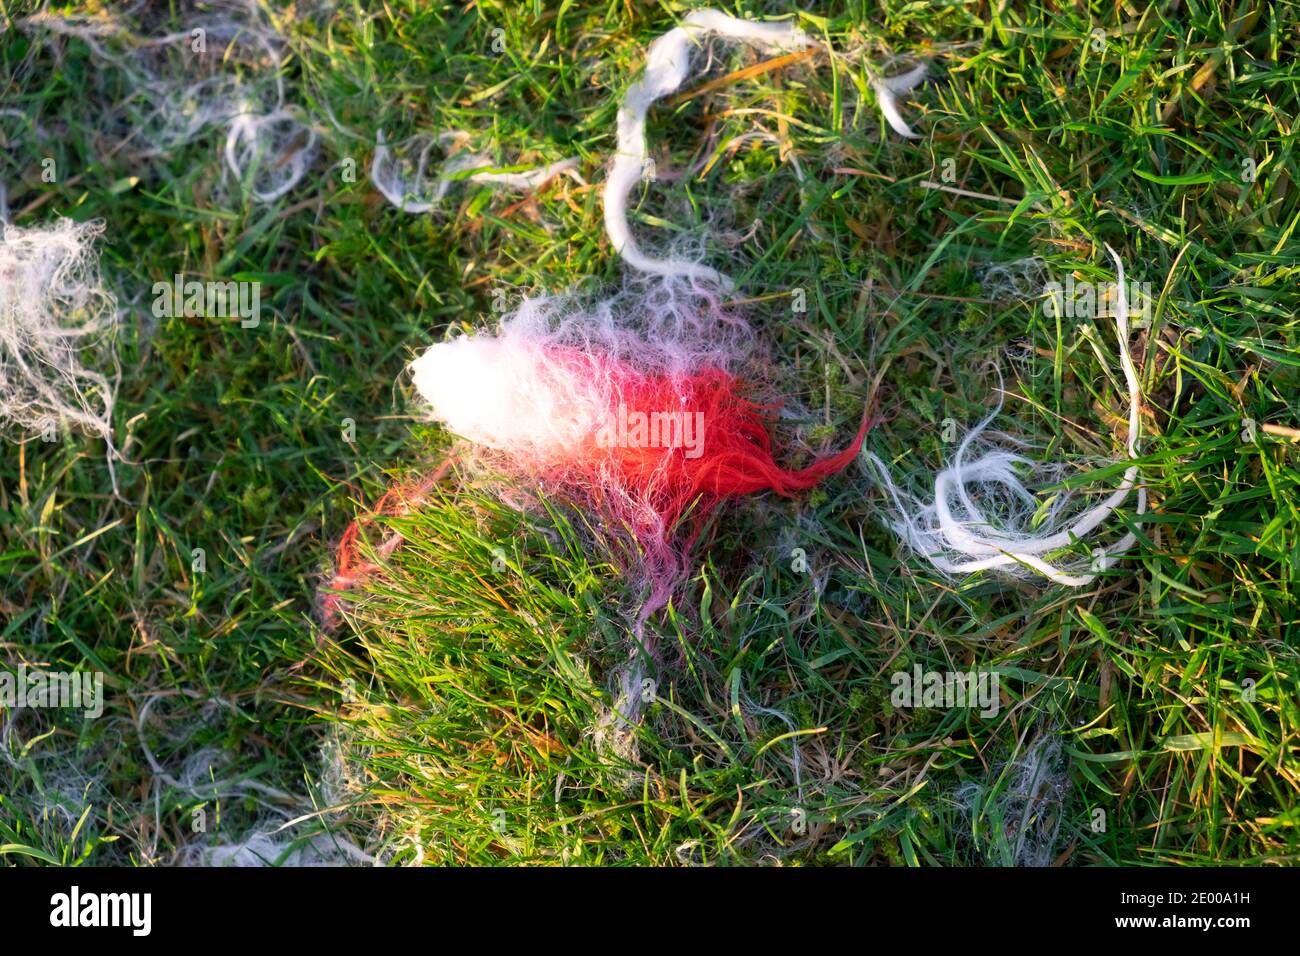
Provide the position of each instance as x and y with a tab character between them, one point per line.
1151	718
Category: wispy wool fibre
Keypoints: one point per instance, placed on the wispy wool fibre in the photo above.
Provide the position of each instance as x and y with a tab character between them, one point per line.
401	172
54	312
635	407
982	517
224	69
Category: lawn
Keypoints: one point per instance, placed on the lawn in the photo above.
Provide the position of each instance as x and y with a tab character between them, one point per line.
1150	717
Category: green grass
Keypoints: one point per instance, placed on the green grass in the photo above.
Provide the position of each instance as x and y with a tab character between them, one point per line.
461	693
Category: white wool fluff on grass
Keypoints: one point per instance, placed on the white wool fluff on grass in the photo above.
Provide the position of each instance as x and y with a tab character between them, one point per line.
290	830
1014	281
982	516
1025	801
889	88
271	152
401	171
1033	806
54	311
267	145
272	845
667	64
50	770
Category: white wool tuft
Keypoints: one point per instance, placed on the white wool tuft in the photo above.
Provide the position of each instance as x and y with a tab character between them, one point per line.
401	172
981	516
504	389
272	151
887	91
267	144
271	845
503	394
54	309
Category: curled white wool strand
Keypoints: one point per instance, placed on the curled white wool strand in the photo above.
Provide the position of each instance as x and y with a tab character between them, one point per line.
53	309
277	147
401	171
667	64
956	533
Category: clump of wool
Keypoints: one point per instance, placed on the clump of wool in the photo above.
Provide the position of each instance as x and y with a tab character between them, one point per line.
223	69
982	517
54	312
636	406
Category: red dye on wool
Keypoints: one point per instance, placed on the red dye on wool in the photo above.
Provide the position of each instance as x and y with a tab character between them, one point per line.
652	455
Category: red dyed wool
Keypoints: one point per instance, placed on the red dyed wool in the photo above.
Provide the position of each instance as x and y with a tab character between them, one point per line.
647	468
652	464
